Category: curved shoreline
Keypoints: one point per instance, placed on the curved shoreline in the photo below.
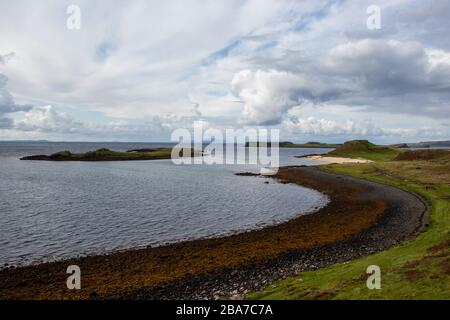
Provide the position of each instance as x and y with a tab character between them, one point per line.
362	217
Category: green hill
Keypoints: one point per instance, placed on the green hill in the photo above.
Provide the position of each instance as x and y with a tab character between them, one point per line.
365	149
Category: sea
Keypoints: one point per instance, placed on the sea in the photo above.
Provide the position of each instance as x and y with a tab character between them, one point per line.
57	210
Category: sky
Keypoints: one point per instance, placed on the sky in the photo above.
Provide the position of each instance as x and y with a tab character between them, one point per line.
138	70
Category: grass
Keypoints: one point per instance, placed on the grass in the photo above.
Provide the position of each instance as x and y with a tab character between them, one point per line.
423	154
417	269
383	155
365	149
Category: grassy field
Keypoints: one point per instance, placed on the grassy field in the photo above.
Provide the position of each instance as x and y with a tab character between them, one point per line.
417	269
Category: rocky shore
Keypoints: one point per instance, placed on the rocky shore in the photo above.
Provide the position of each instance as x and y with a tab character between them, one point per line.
363	217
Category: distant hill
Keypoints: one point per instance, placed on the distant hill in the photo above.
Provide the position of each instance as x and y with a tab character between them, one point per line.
429	144
311	144
365	149
289	144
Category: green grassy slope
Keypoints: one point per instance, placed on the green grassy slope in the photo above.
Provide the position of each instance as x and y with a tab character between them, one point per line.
365	149
417	269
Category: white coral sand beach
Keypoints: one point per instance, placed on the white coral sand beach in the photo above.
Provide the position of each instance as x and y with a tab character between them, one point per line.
338	160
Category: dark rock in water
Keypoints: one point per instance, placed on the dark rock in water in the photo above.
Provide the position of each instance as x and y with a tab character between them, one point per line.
36	157
308	155
247	174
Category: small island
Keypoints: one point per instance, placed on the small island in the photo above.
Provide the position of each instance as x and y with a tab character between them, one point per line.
310	144
109	155
289	144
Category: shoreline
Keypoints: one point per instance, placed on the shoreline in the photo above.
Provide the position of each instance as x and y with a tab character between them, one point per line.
332	160
106	252
362	217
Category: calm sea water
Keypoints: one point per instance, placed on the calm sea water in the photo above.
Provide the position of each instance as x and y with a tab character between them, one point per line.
56	210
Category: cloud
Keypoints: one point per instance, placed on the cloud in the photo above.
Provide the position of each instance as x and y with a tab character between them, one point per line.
6	57
266	95
354	128
6	123
46	119
253	63
390	66
195	109
7	103
315	126
374	73
393	75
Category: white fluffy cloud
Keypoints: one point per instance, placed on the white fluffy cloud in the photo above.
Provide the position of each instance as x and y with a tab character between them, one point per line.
326	128
46	119
266	95
354	73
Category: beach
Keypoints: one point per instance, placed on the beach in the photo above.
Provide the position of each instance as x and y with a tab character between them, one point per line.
338	160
